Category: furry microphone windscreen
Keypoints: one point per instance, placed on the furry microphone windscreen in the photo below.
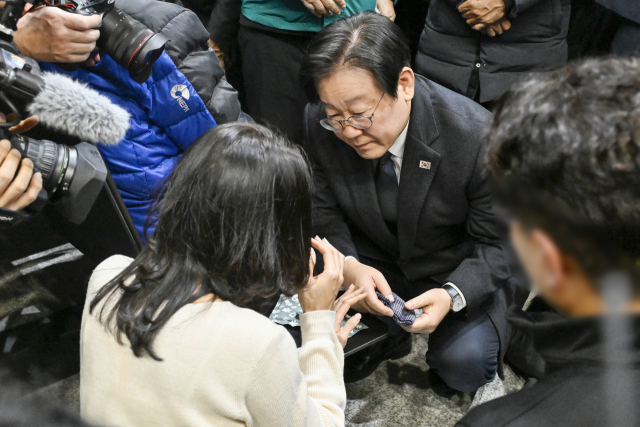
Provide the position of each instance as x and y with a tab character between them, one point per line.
72	107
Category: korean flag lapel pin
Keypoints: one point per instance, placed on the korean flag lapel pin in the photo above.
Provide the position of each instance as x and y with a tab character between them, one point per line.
425	165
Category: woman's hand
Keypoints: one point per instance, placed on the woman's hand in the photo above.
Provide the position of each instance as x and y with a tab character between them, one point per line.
321	291
341	306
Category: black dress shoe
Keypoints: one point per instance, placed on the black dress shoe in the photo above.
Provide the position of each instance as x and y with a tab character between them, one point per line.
362	364
438	385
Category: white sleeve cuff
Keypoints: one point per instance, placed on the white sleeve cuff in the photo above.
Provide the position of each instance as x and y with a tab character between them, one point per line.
349	257
464	301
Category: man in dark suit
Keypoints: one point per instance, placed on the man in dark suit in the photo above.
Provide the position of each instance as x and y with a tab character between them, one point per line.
400	190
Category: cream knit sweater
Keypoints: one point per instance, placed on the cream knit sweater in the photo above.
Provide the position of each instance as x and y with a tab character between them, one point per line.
222	366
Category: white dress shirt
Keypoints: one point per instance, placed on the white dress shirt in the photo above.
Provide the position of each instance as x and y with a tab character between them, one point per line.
397	152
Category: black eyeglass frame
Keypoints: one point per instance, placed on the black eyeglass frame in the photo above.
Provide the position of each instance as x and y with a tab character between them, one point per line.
326	122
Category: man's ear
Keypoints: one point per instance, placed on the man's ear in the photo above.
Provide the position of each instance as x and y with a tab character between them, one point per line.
406	84
552	257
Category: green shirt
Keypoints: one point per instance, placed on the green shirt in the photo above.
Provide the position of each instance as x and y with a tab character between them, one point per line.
292	15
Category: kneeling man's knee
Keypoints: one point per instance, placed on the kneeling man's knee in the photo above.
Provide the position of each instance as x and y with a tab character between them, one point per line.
465	366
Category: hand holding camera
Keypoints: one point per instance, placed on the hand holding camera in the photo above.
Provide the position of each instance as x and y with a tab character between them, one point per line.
17	191
53	35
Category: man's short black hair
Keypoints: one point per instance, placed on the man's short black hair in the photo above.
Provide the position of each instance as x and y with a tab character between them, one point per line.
564	148
368	40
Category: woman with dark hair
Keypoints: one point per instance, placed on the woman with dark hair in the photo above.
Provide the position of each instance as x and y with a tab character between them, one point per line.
175	337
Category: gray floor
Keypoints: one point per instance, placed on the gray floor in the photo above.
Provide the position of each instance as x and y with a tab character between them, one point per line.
396	394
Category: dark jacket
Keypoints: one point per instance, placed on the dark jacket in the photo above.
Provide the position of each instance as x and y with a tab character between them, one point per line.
449	49
583	377
626	8
189	50
446	227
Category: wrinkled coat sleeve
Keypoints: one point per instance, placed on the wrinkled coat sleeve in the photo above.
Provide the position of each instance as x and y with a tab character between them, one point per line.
487	269
189	50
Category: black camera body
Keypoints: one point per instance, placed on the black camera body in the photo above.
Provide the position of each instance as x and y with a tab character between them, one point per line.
130	43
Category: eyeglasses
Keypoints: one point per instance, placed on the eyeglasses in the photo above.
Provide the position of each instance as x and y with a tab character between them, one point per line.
357	121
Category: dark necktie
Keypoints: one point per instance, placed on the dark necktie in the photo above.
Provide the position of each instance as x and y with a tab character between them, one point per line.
387	188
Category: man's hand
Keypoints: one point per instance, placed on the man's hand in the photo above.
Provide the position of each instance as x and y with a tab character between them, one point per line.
341	306
498	28
17	193
369	279
25	125
435	304
386	8
482	13
53	35
324	7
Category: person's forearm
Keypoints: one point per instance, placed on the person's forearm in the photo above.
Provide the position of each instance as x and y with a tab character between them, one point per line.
322	361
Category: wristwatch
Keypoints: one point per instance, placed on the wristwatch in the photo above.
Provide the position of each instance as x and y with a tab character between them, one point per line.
456	299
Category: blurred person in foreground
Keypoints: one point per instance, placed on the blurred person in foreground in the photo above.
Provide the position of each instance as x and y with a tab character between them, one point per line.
565	156
179	336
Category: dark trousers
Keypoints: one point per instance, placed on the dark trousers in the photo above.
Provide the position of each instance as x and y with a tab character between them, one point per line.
463	349
270	67
627	39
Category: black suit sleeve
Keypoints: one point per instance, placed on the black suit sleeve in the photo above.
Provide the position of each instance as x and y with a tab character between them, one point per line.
329	220
487	269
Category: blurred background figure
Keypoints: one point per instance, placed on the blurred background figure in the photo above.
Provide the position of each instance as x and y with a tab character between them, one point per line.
564	150
479	48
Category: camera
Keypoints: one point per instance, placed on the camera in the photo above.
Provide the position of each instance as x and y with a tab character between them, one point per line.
130	43
72	177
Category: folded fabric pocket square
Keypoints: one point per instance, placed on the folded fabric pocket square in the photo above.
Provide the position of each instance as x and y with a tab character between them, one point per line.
401	315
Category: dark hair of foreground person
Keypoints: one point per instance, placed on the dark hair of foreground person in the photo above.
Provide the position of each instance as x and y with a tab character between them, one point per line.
564	149
233	219
369	41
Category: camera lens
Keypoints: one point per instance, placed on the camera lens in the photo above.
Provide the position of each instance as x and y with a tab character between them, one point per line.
56	162
130	43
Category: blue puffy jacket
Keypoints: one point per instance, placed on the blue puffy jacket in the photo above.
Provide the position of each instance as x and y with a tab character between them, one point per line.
167	116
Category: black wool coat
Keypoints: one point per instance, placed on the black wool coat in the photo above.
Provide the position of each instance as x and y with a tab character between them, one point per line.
585	382
536	42
447	231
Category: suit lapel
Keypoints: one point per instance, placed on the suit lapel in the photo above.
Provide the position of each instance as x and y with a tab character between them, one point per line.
419	165
359	178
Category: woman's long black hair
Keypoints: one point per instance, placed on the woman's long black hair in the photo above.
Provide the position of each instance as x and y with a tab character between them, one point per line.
233	219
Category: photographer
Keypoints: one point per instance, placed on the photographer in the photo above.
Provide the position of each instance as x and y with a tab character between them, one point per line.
17	191
53	35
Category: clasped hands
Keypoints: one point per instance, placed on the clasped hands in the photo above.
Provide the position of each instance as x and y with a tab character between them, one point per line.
435	303
332	7
486	16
